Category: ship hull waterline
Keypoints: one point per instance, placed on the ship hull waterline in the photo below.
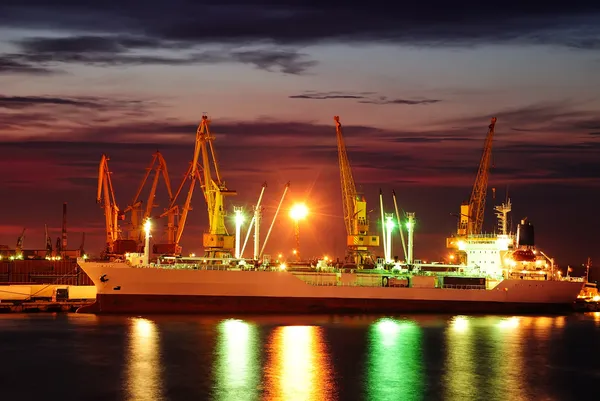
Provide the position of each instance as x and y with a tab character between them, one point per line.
201	304
127	290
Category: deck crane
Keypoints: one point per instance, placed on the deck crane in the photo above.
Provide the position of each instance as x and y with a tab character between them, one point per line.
159	165
471	213
106	197
355	209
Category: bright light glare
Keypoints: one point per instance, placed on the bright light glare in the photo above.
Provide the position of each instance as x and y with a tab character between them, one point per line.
460	324
510	323
147	225
239	217
389	223
299	211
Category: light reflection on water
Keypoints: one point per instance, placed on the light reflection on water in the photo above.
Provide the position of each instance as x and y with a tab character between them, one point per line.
298	367
459	373
237	363
394	369
492	357
144	381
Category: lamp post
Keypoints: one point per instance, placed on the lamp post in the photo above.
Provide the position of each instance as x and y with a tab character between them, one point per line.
298	212
410	226
239	219
147	228
389	225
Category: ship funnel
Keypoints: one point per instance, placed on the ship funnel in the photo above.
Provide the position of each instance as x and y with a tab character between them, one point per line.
525	234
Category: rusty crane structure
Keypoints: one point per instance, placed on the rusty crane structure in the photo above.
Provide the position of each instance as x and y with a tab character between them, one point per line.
356	219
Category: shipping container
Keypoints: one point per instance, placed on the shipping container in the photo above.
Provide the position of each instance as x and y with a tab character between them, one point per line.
42	272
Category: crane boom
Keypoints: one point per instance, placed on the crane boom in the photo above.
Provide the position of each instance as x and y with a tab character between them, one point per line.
354	207
471	218
106	196
159	165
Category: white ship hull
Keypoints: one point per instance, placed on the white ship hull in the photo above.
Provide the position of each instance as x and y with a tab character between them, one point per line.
125	289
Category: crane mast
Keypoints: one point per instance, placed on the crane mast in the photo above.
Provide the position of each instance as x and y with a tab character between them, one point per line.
355	209
217	241
106	197
472	213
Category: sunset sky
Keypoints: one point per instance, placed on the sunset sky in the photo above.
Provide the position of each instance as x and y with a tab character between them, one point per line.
415	85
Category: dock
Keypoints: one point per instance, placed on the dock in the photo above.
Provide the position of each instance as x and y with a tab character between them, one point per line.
49	298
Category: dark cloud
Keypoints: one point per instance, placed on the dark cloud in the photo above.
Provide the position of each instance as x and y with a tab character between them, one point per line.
362	97
329	95
278	29
46	53
19	102
538	119
8	65
433	23
384	100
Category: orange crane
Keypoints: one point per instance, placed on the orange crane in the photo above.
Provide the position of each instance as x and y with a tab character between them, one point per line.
175	230
115	245
471	213
355	209
158	164
106	197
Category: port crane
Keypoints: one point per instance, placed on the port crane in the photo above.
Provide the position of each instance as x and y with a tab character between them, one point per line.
471	213
139	216
354	204
106	197
217	241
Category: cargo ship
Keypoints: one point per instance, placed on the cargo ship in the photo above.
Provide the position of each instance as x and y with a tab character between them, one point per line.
199	288
498	278
493	273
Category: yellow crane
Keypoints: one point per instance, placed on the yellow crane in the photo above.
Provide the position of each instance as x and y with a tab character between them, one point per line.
217	242
356	218
138	217
471	213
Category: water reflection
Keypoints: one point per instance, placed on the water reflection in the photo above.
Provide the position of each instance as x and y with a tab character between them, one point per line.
237	364
395	369
460	375
144	381
298	368
596	317
506	356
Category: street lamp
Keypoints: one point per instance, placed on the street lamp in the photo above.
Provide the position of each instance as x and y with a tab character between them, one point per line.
298	212
239	219
389	225
147	228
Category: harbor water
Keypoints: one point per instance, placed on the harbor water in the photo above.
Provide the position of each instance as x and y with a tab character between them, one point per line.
316	358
